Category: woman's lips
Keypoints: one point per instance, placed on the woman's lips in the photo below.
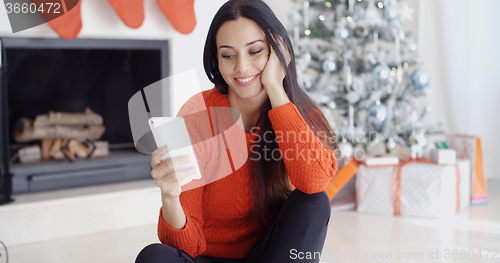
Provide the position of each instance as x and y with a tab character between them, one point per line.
246	81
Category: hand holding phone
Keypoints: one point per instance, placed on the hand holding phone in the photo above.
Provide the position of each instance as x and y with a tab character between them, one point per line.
172	132
170	183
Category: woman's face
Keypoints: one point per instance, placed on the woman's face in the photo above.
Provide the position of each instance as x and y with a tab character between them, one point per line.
242	52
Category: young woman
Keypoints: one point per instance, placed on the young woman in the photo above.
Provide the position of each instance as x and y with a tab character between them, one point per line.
273	207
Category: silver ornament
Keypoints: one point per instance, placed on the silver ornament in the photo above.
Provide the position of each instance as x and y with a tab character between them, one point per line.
329	65
307	57
341	33
372	16
402	34
294	16
324	99
420	79
352	97
362	31
413	47
377	115
346	150
332	105
390	144
391	13
381	73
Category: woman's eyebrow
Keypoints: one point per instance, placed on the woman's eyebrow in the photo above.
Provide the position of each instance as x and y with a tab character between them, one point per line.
248	44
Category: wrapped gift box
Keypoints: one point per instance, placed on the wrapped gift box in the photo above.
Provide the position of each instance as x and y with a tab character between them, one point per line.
443	156
422	189
469	147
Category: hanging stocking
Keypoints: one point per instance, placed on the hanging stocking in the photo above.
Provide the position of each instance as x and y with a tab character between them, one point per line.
180	13
67	25
130	11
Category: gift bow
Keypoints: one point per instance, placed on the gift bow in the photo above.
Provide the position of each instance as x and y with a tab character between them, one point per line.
442	145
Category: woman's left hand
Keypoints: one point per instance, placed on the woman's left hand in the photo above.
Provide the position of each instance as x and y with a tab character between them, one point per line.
273	74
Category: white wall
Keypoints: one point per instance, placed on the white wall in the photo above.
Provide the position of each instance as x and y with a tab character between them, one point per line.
101	21
459	44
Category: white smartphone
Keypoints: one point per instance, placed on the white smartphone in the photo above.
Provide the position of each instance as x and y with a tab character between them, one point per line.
172	131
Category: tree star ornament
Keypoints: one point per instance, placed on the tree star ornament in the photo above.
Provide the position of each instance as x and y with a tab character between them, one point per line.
406	13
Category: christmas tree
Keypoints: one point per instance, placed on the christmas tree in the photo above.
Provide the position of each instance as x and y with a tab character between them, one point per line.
359	65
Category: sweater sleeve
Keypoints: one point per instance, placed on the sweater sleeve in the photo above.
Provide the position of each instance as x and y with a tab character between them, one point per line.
190	238
310	164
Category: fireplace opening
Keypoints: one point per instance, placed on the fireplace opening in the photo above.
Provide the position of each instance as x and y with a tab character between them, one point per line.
54	75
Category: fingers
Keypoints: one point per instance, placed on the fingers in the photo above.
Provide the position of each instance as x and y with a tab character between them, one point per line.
157	154
171	183
283	48
182	176
164	168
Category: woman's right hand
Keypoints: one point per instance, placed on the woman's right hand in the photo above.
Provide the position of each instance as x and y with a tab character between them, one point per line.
167	178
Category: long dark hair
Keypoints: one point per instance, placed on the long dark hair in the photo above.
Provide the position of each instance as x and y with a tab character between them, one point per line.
271	186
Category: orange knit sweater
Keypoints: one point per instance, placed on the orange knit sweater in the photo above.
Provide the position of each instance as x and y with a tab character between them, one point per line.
219	220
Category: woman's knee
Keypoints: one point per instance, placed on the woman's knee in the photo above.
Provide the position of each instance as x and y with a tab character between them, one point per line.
316	205
156	253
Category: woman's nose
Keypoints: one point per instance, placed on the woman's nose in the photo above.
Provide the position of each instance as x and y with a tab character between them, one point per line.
242	64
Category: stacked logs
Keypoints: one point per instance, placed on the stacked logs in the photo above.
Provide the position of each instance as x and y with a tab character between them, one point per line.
62	136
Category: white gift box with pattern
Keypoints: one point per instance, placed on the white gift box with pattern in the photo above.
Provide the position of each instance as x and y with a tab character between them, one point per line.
422	189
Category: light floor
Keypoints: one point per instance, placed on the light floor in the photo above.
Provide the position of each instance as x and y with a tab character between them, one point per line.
352	237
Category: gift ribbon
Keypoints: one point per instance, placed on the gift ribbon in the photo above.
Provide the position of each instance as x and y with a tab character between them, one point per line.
396	184
463	152
457	170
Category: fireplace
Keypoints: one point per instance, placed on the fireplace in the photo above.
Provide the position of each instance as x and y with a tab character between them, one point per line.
42	75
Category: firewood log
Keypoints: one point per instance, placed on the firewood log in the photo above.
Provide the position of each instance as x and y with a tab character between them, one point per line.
30	154
101	149
80	150
57	125
57	132
56	150
45	144
88	118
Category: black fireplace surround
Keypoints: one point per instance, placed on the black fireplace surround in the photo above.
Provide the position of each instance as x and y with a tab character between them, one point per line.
42	75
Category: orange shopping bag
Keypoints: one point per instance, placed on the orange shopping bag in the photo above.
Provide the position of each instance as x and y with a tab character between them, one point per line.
469	147
342	178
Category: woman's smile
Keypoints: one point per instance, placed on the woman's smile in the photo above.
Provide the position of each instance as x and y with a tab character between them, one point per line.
246	81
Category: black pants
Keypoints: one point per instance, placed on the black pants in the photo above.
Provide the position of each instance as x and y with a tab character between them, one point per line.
300	227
